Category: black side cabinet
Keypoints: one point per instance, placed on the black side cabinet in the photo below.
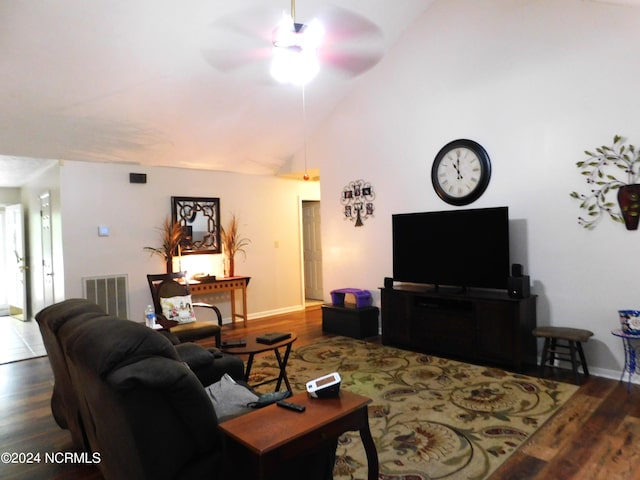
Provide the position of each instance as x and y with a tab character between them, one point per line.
350	321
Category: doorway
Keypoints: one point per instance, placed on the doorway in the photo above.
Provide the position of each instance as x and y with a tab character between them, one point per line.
14	262
312	252
48	293
4	298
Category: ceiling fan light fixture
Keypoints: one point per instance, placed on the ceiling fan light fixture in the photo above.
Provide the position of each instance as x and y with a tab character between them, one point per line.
294	65
295	45
290	34
284	35
313	35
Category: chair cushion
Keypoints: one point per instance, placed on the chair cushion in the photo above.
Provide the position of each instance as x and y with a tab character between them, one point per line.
190	332
178	309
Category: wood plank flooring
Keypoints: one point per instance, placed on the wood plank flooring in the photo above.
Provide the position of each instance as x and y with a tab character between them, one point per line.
596	435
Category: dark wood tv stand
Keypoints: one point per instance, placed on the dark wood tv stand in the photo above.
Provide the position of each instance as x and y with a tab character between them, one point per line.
486	327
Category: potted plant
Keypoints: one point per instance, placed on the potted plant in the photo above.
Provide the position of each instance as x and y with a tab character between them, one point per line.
171	234
601	168
232	243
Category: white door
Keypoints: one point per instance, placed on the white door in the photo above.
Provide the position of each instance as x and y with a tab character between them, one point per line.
15	262
47	249
312	250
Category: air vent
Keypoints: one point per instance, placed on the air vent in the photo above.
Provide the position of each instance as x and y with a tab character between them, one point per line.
110	292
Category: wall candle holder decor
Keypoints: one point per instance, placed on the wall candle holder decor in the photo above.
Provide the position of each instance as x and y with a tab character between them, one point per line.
357	201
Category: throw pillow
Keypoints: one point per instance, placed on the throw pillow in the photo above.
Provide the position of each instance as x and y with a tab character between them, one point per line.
179	309
230	399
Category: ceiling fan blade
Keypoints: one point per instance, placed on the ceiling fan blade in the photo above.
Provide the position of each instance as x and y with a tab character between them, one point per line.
239	38
344	24
352	44
351	64
256	23
228	60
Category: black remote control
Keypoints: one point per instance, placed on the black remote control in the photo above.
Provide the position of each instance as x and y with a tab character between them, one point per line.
291	406
234	343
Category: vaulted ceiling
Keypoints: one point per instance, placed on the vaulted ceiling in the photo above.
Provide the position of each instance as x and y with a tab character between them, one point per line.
175	83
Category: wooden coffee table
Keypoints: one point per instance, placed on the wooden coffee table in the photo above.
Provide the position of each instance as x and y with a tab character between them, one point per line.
265	438
253	347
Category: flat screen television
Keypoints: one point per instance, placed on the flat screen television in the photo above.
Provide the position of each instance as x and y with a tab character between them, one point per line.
461	248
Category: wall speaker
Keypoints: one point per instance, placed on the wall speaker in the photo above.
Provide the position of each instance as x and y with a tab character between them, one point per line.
516	270
388	282
137	178
518	287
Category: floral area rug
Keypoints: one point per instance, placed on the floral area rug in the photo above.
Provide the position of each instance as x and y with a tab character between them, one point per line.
430	418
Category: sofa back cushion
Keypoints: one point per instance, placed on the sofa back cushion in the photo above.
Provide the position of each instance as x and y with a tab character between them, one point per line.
106	343
56	315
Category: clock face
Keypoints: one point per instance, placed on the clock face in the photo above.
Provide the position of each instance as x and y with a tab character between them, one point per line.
461	172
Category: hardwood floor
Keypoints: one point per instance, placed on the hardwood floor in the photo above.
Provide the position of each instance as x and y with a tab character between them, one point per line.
596	435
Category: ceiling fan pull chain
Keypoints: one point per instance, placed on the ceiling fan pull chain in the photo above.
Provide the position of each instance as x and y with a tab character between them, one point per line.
304	130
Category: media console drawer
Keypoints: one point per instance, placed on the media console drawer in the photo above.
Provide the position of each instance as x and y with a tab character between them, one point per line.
350	322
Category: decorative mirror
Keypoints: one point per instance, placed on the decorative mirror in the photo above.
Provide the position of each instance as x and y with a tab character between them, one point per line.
200	220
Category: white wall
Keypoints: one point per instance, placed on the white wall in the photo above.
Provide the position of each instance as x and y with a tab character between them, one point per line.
536	83
268	208
9	196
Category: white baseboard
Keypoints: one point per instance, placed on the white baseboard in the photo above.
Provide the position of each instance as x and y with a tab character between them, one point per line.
268	313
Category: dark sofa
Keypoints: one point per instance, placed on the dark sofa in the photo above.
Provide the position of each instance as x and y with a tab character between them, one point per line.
121	387
128	394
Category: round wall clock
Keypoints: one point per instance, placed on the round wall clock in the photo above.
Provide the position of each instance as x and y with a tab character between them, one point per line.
461	172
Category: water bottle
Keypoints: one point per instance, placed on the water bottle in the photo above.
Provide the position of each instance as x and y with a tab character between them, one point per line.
150	316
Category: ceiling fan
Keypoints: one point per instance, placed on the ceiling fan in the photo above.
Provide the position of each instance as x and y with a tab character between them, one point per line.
336	38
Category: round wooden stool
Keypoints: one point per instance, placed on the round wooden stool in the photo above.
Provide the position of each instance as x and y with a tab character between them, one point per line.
553	349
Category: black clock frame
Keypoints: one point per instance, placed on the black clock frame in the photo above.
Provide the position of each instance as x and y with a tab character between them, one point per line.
485	175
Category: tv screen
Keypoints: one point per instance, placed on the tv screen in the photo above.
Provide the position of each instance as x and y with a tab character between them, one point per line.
465	248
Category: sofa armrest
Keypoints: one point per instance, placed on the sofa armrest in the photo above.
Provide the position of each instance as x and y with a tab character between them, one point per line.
194	355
